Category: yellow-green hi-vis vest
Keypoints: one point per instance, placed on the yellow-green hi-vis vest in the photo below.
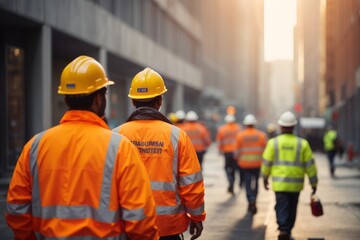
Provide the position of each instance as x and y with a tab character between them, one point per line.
329	139
286	159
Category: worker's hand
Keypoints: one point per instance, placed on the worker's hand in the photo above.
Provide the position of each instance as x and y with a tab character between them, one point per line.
313	190
266	183
195	229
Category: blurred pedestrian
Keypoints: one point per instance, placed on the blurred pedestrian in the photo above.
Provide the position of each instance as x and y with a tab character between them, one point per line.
250	144
198	133
332	145
287	158
169	157
180	114
271	130
79	180
173	118
226	143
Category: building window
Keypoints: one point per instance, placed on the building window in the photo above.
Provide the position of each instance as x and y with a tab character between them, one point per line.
15	104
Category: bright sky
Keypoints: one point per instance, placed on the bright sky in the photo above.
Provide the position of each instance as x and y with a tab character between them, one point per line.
279	22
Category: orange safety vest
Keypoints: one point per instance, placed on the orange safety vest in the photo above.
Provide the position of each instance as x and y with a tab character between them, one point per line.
250	144
79	180
226	137
199	135
174	171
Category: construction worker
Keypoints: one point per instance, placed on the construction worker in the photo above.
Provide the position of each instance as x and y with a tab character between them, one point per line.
226	142
180	118
79	180
271	130
331	143
198	133
173	118
250	144
169	157
287	158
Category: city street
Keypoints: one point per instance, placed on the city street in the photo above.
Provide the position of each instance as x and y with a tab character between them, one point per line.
227	217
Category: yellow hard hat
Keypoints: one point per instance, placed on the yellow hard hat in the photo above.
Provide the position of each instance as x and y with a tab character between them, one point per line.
83	75
173	117
147	84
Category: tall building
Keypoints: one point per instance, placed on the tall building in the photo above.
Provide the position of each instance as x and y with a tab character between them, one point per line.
232	51
343	68
309	52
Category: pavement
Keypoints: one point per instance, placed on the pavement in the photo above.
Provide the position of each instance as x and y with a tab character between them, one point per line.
228	219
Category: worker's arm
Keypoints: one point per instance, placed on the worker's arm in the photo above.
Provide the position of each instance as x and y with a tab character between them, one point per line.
18	204
191	184
135	195
268	159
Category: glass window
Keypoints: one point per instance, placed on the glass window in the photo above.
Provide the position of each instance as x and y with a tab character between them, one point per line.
15	108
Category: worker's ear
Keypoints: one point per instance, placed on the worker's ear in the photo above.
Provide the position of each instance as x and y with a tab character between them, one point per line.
97	100
99	104
159	102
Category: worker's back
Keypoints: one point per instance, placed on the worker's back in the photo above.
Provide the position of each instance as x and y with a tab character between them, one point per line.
173	169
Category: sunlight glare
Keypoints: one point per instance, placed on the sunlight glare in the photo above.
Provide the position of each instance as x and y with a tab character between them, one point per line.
279	22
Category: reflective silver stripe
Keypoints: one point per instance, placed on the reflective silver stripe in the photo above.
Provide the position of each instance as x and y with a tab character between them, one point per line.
267	162
251	138
175	133
288	179
313	179
250	149
298	150
197	211
190	179
41	237
251	157
276	148
102	214
76	212
117	129
133	214
108	170
288	163
165	186
309	163
36	200
166	210
16	209
228	141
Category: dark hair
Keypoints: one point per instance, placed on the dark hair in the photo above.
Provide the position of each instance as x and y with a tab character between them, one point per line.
287	129
151	103
82	102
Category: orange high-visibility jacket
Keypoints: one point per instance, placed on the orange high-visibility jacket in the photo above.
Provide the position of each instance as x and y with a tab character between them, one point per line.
226	137
80	180
198	134
250	144
174	171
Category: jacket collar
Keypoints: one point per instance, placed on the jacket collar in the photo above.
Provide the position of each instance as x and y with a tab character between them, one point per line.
147	113
83	116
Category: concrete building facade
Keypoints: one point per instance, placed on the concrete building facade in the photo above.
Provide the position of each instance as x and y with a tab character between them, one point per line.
343	68
196	46
38	38
309	56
